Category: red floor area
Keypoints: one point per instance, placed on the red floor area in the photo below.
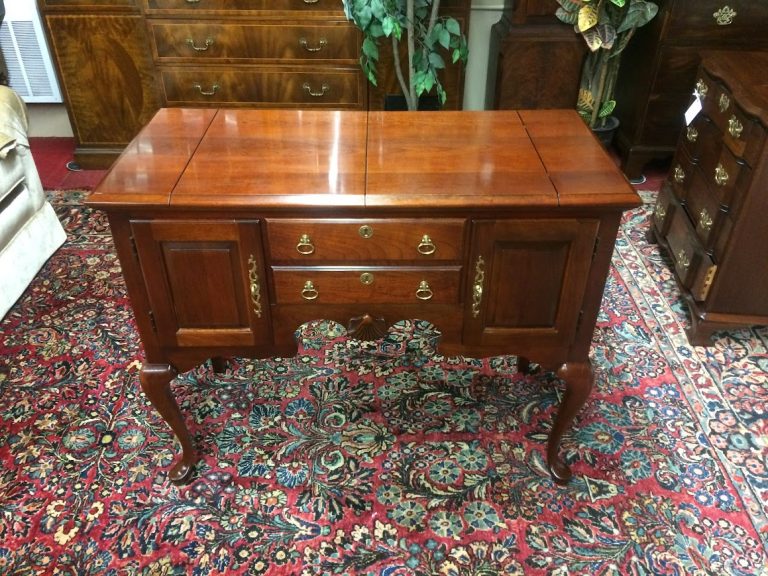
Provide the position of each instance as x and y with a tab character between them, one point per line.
51	157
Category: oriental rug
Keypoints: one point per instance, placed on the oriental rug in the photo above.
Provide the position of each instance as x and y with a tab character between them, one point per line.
381	458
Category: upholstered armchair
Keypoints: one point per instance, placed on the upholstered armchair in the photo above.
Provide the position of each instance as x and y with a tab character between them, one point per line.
30	232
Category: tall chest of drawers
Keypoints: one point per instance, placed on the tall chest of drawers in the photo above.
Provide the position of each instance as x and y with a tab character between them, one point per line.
711	212
659	65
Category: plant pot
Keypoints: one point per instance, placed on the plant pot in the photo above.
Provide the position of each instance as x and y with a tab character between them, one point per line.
393	102
605	132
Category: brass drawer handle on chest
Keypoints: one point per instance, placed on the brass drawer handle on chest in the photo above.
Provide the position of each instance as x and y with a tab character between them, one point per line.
477	287
426	246
253	277
324	89
660	213
724	16
724	102
304	43
701	88
305	245
365	231
735	127
705	220
678	174
210	92
682	259
192	1
309	292
424	292
692	134
196	48
721	176
311	1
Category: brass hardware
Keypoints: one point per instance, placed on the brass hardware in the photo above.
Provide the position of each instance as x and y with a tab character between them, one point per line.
678	174
195	47
210	92
309	292
660	213
707	284
705	220
724	16
426	246
322	43
477	287
682	259
366	278
692	134
365	231
424	292
724	102
305	245
324	88
721	176
253	276
735	127
701	88
311	1
192	1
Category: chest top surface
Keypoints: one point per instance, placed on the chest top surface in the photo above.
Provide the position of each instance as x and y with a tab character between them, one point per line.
274	159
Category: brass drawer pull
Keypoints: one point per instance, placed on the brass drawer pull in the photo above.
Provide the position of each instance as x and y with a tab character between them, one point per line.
721	176
678	174
724	16
724	102
705	220
735	127
324	89
309	292
322	43
424	292
366	278
426	246
192	1
210	92
682	259
253	277
702	88
365	231
660	214
305	245
477	287
196	48
692	134
311	1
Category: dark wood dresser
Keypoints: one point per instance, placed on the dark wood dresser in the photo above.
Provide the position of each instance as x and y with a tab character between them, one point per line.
659	66
234	227
711	212
119	61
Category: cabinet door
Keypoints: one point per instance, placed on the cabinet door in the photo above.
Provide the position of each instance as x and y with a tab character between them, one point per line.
205	282
526	281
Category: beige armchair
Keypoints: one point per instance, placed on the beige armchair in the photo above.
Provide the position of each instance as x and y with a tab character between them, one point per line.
30	232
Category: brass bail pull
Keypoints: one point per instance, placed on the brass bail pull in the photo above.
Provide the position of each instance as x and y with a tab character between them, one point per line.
426	246
207	44
305	245
210	92
424	292
309	292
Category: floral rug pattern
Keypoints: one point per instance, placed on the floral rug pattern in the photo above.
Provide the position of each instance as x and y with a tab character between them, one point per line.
381	458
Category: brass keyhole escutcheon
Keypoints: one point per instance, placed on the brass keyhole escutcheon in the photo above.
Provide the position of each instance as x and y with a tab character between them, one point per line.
365	231
366	278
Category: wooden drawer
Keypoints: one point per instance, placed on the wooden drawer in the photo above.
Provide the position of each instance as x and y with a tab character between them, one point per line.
681	173
664	210
265	86
704	210
369	240
370	284
702	140
231	43
228	6
728	178
714	22
693	266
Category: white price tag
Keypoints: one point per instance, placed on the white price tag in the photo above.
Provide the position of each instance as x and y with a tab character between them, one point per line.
693	109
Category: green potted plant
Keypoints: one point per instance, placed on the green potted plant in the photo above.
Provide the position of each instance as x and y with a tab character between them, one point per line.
607	27
426	34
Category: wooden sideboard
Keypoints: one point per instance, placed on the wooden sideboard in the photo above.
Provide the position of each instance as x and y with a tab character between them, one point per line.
119	61
500	233
710	214
659	66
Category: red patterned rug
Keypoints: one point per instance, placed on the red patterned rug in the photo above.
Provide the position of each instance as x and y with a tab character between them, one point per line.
382	458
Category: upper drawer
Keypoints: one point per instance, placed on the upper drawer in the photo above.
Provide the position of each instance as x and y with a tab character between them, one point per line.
213	41
717	21
416	240
224	6
265	86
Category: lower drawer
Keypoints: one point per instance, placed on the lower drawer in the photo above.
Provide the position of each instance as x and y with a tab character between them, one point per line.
693	266
379	285
329	87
